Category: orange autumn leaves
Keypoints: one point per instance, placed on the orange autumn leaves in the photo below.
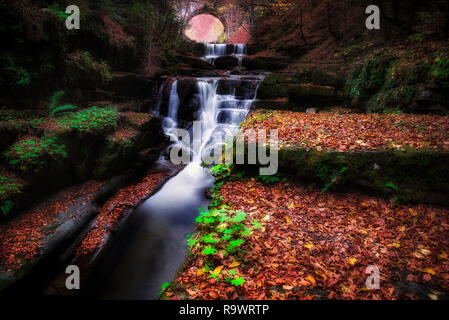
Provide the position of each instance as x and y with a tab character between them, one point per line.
21	238
113	210
347	132
318	245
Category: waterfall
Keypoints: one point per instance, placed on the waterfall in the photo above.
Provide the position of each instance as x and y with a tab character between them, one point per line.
155	233
215	50
160	95
171	121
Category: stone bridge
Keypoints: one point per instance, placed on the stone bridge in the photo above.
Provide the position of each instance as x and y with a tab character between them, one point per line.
234	19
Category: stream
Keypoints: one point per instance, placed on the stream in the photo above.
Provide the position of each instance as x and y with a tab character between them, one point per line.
151	245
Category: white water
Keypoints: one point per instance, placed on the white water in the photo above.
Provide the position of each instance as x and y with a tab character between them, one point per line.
157	109
215	50
152	245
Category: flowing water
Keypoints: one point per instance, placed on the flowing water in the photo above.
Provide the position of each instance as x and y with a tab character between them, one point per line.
214	50
152	244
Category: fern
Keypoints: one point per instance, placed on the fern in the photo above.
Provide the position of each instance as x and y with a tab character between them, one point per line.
63	109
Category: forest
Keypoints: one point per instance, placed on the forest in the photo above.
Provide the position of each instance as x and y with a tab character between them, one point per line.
95	203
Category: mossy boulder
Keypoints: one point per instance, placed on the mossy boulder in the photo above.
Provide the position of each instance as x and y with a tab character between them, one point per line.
410	176
311	94
275	85
319	74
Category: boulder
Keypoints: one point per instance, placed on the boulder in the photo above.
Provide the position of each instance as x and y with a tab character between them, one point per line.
188	102
319	74
226	62
130	85
275	85
195	62
265	63
311	94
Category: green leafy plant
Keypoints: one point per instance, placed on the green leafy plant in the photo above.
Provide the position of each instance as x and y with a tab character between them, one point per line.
330	176
163	287
9	185
63	109
55	10
32	153
93	120
238	281
55	99
19	76
269	179
392	186
6	207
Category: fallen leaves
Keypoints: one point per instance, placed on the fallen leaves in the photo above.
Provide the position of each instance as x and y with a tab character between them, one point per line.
113	210
21	238
350	132
326	244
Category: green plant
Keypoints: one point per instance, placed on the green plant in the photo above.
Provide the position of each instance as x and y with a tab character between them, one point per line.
92	120
32	153
9	185
63	109
20	77
6	207
269	179
222	231
84	63
392	186
55	99
56	11
163	287
330	176
440	69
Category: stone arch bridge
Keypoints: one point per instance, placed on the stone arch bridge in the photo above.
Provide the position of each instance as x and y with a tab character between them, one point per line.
234	19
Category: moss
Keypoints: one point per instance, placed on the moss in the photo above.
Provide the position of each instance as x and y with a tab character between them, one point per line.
85	71
328	75
418	174
296	91
275	85
366	78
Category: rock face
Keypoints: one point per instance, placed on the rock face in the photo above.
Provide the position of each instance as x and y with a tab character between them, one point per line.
226	62
275	85
265	63
243	89
130	85
303	89
195	62
189	104
310	93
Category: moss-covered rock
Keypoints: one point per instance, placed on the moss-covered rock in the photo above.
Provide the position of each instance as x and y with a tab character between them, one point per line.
275	85
297	92
411	176
319	74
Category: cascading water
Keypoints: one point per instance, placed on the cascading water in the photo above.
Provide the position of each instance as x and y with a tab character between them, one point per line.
215	50
152	243
157	109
